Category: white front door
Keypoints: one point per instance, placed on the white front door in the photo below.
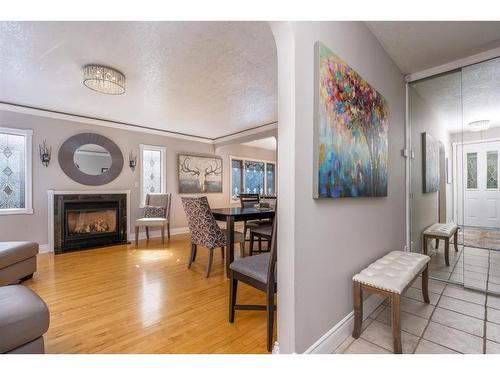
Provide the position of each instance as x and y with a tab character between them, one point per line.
480	184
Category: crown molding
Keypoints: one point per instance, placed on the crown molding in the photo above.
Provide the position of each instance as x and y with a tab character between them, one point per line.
41	112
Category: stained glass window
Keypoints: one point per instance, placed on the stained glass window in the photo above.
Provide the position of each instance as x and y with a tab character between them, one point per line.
251	176
237	178
270	177
492	170
254	177
153	175
471	170
12	171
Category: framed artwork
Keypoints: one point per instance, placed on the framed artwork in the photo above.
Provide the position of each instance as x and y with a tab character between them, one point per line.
430	162
350	132
199	174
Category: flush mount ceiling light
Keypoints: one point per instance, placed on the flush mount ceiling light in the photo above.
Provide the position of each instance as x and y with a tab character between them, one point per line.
104	79
477	126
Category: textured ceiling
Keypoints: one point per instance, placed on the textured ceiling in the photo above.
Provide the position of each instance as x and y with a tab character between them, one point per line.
207	79
478	85
415	46
267	143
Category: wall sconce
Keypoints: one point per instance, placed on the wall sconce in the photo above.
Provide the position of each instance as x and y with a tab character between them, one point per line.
132	160
45	153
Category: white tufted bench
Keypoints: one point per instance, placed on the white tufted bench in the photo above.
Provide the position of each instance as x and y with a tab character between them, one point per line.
390	276
442	231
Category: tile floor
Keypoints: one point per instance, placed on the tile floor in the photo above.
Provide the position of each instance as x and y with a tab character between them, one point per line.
478	237
456	321
474	267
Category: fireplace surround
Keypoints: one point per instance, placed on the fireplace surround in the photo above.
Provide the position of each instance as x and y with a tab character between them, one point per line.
83	220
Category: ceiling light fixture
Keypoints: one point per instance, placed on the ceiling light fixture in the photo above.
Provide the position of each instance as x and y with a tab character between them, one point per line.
478	126
104	79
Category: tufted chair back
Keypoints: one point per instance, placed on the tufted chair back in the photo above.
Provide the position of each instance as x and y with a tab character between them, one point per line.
202	225
160	200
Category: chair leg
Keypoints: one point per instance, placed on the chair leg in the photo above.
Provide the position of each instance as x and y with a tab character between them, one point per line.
270	320
242	249
193	255
222	251
358	309
168	230
455	240
162	234
437	243
447	252
136	236
251	244
425	284
260	244
210	260
147	233
396	323
233	291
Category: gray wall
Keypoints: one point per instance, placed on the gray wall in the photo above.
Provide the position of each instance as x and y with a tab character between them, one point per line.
425	207
331	239
15	227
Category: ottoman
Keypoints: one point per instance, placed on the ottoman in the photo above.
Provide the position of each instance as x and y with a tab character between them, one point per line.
17	261
24	318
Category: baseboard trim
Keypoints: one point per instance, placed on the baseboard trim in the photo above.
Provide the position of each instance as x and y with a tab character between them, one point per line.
343	329
42	249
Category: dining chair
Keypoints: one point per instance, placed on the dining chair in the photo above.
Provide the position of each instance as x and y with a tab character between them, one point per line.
156	214
258	271
248	200
261	232
205	231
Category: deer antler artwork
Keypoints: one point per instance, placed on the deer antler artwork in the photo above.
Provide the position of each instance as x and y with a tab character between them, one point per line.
202	169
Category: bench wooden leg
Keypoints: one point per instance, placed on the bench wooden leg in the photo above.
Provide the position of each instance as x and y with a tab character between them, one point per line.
396	323
455	240
425	244
425	284
437	243
358	309
447	252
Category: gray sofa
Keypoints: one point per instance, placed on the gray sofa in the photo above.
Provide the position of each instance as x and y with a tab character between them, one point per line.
24	318
17	261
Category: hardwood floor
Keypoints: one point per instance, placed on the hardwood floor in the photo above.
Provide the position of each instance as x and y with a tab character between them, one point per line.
124	299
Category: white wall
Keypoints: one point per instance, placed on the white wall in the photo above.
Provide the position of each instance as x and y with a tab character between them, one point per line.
14	227
327	241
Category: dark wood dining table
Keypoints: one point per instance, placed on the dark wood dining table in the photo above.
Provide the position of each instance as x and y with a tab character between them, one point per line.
233	214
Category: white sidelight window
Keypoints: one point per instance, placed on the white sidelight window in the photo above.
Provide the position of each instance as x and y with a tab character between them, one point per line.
153	161
15	171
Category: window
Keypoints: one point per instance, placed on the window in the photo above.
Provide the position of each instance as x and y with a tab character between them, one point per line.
15	171
492	170
471	170
252	176
153	170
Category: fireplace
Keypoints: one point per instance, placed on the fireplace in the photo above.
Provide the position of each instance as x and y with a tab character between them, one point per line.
84	221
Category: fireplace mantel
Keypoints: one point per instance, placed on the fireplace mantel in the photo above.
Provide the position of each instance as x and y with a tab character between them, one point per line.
52	193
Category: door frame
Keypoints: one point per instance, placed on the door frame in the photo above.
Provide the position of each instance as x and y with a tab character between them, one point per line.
455	188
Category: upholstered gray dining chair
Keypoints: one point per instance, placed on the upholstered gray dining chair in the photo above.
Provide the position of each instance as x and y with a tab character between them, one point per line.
205	231
258	271
156	214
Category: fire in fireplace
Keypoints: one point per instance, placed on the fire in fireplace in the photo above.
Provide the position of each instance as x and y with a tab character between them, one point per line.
83	221
91	222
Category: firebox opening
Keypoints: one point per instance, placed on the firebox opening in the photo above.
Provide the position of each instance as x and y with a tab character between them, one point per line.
83	222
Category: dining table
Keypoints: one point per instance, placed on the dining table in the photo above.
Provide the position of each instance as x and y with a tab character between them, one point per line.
234	214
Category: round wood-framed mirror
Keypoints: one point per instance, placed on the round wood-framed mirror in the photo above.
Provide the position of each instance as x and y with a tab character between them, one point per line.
90	159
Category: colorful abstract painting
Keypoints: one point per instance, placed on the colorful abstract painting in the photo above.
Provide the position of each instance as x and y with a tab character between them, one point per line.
430	162
351	125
